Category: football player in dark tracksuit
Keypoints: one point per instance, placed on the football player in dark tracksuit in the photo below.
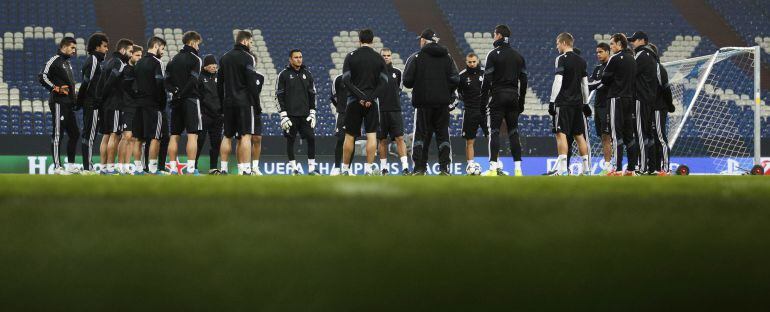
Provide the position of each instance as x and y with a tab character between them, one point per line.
505	80
475	104
433	77
600	105
618	77
151	100
365	76
98	45
339	98
211	109
645	94
664	104
110	93
296	94
391	119
131	122
57	78
239	86
183	81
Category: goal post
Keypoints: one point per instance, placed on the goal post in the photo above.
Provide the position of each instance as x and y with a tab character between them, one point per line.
712	95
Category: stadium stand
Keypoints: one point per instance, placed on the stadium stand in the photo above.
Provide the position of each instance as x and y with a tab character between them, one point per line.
535	25
30	31
325	31
286	25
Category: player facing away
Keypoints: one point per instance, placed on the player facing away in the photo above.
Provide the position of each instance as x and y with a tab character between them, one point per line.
211	109
600	107
339	98
58	79
569	101
391	119
645	93
505	80
296	95
365	76
239	86
151	98
664	104
475	104
433	77
110	94
618	77
183	82
98	45
130	125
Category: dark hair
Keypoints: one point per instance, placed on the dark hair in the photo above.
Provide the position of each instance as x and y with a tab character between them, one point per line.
66	41
96	40
294	51
242	35
653	47
155	40
604	46
123	44
191	36
471	55
136	48
503	30
366	36
621	39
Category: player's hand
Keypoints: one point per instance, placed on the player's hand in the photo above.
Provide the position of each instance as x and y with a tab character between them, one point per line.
587	110
362	102
285	122
368	104
552	109
62	90
453	105
311	118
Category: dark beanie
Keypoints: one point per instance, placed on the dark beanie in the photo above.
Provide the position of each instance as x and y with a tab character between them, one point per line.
209	60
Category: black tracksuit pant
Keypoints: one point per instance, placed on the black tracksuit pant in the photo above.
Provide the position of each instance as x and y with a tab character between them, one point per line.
623	115
429	121
63	120
214	128
89	134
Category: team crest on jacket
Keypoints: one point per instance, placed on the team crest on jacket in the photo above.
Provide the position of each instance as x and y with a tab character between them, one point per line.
304	77
394	75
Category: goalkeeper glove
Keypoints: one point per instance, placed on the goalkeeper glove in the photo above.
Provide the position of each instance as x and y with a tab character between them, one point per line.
552	109
587	110
285	122
311	118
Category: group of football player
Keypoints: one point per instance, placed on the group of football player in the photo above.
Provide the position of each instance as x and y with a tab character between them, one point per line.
125	97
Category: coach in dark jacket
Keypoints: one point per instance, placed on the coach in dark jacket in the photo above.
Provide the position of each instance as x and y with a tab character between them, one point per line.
433	76
211	109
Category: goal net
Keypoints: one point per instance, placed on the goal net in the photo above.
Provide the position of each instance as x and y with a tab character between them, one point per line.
716	125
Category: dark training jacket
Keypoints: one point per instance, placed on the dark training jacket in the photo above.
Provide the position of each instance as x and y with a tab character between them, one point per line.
238	83
149	89
505	71
58	72
432	75
91	72
295	91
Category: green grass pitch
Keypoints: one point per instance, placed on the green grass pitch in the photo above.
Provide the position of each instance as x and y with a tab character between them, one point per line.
384	243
